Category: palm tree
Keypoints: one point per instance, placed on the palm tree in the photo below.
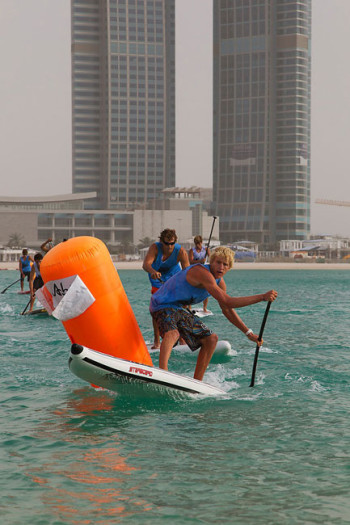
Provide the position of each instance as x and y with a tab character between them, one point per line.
126	247
145	243
16	240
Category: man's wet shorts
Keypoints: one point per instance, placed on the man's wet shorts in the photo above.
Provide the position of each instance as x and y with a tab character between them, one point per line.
188	325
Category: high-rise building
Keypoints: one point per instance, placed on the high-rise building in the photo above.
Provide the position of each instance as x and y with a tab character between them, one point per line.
123	99
262	72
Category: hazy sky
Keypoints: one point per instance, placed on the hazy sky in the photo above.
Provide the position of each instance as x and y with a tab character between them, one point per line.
35	101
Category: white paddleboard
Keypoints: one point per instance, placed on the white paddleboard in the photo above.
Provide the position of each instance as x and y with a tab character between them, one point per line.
24	292
199	312
110	372
223	348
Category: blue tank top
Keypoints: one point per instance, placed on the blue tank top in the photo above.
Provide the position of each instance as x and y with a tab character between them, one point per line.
199	255
167	268
177	292
25	264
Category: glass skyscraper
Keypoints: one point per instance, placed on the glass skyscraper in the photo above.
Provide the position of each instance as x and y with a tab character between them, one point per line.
123	98
262	73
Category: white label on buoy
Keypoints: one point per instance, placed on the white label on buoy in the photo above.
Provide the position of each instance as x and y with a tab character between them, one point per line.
58	289
66	298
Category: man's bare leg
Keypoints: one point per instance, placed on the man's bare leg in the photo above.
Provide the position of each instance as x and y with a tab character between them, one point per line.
205	304
205	355
32	299
166	347
156	340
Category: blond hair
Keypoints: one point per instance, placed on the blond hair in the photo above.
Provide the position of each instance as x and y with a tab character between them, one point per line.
224	252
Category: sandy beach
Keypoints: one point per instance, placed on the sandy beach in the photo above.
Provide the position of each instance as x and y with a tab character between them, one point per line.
137	265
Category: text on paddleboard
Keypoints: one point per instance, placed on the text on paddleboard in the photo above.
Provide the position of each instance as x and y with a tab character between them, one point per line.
141	371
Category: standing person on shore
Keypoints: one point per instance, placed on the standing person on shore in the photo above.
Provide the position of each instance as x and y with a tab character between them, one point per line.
24	266
199	254
35	279
163	260
192	286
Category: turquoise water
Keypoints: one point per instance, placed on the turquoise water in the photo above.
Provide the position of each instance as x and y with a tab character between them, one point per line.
277	453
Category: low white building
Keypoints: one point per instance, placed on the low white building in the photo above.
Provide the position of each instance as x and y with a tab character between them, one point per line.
36	219
325	246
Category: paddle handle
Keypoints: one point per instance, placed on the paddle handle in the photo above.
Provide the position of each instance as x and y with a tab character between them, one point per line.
257	346
26	307
211	231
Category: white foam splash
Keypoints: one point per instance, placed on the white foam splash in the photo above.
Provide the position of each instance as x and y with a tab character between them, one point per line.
317	387
263	350
6	309
222	377
260	379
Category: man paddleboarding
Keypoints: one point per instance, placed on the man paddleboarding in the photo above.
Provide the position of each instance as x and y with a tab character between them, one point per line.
24	264
192	286
163	260
35	279
199	254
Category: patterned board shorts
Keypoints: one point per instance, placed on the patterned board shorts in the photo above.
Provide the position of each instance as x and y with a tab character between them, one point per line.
188	325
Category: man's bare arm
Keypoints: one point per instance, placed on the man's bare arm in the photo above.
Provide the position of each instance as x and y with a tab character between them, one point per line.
183	258
149	259
199	276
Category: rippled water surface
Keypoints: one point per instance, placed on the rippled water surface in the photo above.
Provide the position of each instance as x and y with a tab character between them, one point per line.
277	453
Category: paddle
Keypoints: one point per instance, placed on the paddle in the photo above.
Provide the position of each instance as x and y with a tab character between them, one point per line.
211	231
26	307
257	346
11	285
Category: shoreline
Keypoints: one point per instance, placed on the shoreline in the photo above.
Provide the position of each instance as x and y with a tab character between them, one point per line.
137	265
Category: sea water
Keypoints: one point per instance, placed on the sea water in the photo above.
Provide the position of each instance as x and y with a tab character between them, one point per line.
277	453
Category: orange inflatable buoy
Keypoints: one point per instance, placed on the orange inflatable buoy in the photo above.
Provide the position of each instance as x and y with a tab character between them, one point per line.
108	325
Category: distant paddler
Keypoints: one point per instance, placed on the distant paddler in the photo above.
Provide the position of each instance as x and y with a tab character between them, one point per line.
47	245
35	279
24	265
199	254
163	260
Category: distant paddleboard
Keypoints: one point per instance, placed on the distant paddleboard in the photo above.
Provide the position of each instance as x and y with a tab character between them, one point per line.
222	348
199	312
111	372
36	311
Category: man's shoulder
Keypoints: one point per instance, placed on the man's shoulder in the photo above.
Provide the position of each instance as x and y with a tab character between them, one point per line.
153	247
199	269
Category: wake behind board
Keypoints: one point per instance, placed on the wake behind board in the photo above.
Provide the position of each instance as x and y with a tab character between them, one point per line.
111	372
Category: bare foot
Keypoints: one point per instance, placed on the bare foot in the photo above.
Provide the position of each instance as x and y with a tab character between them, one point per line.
155	346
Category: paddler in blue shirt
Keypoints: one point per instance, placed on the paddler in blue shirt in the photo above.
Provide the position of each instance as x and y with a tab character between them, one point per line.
25	266
163	260
192	286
